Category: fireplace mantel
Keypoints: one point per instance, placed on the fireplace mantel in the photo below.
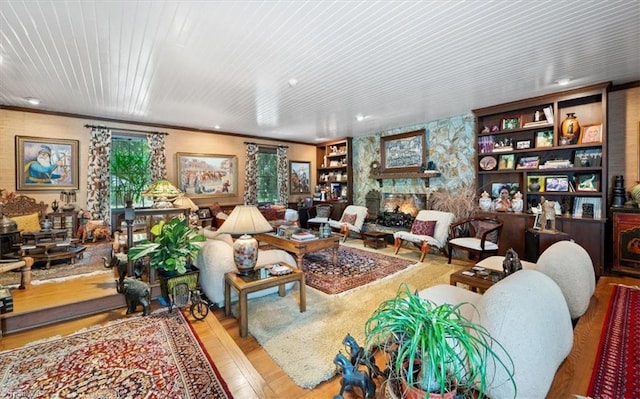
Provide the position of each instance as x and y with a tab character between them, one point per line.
380	177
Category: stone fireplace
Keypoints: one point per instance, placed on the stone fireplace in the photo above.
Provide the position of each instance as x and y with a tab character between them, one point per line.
399	210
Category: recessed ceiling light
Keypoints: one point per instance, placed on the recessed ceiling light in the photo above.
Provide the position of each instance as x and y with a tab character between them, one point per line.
217	127
292	82
360	117
32	100
564	81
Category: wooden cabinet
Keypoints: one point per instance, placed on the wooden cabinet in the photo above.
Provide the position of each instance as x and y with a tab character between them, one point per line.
334	173
65	220
626	240
528	146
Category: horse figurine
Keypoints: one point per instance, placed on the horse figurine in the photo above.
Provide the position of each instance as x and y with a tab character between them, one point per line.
352	377
358	356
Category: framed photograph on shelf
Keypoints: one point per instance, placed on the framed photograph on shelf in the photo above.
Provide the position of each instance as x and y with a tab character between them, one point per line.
591	134
46	164
405	152
523	144
587	182
537	222
579	208
588	158
506	161
496	187
556	183
207	175
511	123
544	139
528	162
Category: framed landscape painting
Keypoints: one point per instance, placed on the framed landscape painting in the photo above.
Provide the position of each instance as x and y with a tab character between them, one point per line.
207	175
46	164
403	152
299	175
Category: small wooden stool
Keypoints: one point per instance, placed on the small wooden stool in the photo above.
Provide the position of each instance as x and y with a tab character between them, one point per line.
375	239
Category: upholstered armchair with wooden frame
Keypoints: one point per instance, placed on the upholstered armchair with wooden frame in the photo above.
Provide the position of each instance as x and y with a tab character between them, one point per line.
430	228
476	235
352	220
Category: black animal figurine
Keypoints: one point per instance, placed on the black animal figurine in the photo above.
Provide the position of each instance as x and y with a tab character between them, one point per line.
511	262
136	292
358	356
351	377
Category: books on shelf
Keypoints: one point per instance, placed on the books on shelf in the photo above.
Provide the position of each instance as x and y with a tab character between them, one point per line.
534	124
556	164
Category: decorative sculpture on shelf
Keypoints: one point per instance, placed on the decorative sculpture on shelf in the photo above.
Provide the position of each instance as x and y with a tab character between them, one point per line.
352	377
511	262
548	216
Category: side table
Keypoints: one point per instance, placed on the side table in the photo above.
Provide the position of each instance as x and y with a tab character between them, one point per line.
536	241
476	282
375	239
254	282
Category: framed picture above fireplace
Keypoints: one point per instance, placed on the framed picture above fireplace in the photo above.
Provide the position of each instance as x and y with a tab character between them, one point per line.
404	152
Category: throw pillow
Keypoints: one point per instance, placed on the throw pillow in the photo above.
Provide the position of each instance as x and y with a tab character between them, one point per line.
349	218
323	211
29	222
481	227
423	227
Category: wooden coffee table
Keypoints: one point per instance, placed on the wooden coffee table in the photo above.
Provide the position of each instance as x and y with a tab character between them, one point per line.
476	282
254	282
300	247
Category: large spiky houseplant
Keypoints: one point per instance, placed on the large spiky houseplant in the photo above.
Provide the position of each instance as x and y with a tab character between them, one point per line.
434	348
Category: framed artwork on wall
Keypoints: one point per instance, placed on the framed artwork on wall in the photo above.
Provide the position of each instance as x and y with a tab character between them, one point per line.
405	152
46	164
207	175
299	175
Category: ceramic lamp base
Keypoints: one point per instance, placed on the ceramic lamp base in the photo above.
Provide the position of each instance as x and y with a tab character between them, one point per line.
245	254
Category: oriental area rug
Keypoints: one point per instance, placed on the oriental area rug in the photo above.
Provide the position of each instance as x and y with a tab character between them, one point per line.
155	356
616	373
305	344
355	268
90	263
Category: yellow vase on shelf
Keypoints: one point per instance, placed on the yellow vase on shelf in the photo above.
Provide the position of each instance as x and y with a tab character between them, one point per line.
569	129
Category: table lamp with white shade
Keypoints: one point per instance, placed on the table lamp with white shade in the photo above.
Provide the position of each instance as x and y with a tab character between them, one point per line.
245	220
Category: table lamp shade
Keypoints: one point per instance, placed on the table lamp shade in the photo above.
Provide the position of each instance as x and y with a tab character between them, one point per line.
162	191
245	220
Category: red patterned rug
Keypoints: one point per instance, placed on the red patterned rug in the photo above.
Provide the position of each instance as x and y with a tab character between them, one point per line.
355	268
616	373
157	356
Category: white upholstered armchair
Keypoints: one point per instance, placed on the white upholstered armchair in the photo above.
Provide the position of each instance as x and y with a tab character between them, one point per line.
352	220
430	228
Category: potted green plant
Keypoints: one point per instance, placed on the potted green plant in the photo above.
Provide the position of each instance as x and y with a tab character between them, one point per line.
433	349
173	247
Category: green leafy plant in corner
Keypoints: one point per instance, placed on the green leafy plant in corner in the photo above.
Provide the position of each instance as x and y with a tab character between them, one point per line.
434	347
174	246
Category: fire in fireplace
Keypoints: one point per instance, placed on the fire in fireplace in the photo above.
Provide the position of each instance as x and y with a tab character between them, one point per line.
399	210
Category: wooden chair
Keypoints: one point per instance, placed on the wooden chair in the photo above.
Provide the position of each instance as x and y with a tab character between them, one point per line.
430	228
477	235
319	214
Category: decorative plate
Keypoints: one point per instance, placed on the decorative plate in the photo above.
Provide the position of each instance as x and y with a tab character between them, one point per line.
488	163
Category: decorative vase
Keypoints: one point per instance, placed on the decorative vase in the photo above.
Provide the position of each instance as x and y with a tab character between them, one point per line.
534	186
635	194
485	202
46	224
569	129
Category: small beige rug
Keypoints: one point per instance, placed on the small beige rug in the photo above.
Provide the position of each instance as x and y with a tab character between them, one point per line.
304	344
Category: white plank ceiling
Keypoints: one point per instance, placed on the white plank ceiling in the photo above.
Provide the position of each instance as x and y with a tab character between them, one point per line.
202	64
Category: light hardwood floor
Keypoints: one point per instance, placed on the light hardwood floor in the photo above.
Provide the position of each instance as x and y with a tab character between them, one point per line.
245	366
